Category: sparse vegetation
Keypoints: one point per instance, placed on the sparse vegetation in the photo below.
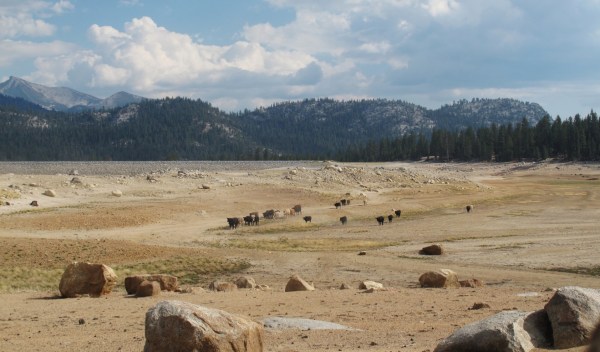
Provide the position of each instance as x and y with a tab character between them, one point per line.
306	244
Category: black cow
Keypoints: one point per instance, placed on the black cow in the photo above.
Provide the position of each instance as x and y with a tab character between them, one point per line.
390	218
469	208
347	201
233	223
344	220
255	219
398	213
380	220
337	205
307	219
248	220
344	202
269	214
297	208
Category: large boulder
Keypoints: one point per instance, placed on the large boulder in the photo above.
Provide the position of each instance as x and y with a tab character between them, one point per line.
245	282
442	278
296	283
574	313
508	331
181	326
595	341
148	289
167	282
434	249
87	279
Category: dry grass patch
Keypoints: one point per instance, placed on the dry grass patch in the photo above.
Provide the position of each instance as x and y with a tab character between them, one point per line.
591	271
38	264
306	244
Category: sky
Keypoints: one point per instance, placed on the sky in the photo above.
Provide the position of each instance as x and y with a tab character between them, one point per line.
243	54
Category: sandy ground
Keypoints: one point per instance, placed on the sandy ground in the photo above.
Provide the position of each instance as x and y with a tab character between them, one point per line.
528	219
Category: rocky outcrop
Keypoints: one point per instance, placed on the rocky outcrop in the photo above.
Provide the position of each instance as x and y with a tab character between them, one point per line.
573	312
181	326
442	278
148	289
509	331
87	279
296	283
166	282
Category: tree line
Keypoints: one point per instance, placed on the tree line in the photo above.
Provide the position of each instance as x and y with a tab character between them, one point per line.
574	139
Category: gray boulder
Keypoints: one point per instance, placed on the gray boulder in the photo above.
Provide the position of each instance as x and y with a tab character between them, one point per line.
573	312
181	326
509	331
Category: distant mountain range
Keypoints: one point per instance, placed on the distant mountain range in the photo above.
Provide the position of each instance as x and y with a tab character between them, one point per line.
62	98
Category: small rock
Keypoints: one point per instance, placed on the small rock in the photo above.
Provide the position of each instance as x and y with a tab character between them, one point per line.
479	305
296	283
81	321
442	278
117	193
204	186
344	286
222	286
368	284
245	282
34	203
76	181
472	283
362	253
49	193
434	249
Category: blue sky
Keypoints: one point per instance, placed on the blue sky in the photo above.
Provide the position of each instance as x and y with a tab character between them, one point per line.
240	54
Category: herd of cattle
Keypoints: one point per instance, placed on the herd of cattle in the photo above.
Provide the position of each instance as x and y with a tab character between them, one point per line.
254	218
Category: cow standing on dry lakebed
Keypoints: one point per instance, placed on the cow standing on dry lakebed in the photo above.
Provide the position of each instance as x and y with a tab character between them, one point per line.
344	220
307	218
380	220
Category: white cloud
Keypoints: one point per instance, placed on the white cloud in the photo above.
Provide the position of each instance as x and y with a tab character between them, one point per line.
440	7
28	17
13	51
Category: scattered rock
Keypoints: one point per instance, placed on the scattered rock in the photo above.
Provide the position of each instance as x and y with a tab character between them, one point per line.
222	286
479	305
245	282
166	282
49	193
366	285
148	289
151	178
362	253
204	186
574	312
301	323
344	286
76	181
81	321
509	331
117	193
34	203
73	172
472	283
434	249
296	283
85	278
181	326
443	278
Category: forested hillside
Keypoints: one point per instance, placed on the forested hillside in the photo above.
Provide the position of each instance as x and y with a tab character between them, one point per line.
181	128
